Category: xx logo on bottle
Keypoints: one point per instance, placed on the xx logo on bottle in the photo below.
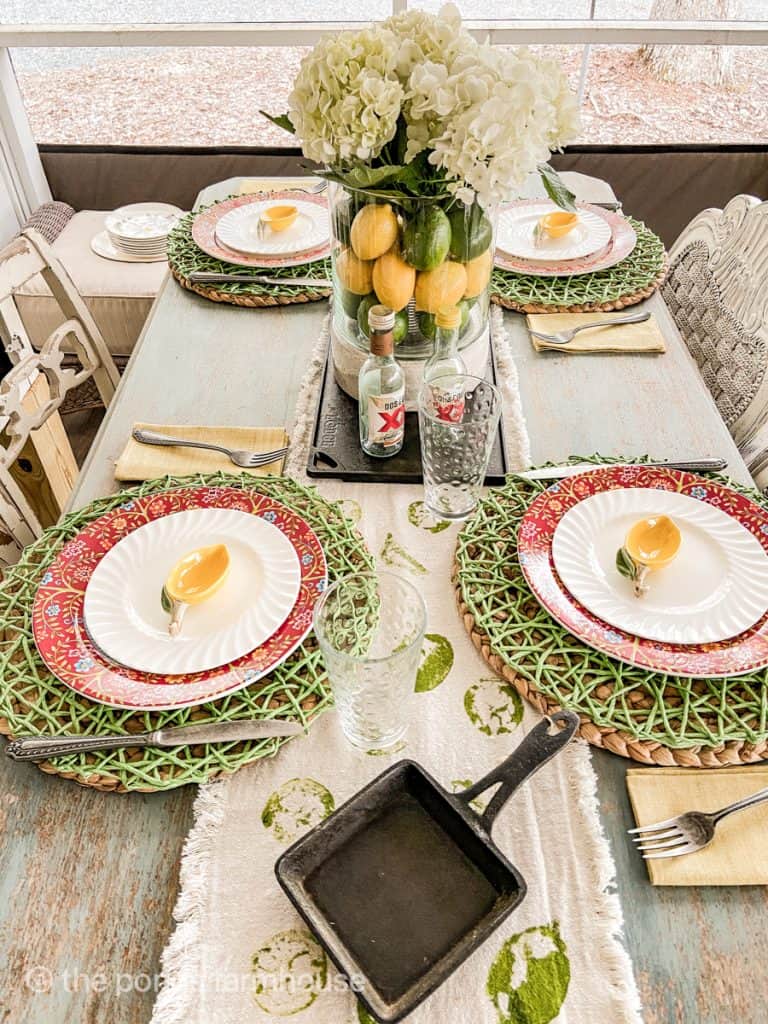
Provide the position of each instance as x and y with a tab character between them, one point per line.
392	420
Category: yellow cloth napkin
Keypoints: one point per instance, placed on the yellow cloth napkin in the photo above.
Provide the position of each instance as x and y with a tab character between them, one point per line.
145	461
736	856
644	337
250	185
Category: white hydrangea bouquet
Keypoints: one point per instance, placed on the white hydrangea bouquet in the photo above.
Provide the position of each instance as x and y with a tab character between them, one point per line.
415	114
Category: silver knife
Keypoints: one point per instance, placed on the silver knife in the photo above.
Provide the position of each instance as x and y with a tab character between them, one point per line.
705	465
38	748
211	277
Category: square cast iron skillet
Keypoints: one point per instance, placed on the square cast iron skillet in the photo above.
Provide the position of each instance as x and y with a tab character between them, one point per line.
403	881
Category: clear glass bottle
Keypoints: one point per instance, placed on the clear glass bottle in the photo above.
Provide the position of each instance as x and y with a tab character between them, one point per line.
446	363
381	388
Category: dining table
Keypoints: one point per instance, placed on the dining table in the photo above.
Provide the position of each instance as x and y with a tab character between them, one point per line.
89	879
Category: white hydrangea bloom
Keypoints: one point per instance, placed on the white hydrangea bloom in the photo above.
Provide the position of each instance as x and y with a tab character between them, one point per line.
426	37
347	97
491	117
486	116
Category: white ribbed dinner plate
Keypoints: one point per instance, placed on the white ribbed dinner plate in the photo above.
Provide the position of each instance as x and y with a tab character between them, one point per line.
516	237
123	611
239	229
716	587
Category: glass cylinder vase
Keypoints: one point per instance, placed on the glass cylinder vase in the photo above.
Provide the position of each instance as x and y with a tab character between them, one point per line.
415	256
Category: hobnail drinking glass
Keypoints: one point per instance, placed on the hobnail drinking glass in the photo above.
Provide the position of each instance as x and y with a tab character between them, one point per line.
458	419
370	628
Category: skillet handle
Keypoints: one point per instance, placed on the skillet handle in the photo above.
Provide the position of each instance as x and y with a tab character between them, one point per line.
538	747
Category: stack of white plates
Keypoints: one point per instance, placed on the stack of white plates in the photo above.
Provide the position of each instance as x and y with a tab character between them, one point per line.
138	232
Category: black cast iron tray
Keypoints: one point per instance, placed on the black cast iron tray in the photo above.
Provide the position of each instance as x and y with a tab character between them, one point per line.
335	449
404	881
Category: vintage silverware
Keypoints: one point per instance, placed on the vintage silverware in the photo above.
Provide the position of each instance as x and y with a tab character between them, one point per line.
212	277
563	337
687	832
38	748
703	465
243	459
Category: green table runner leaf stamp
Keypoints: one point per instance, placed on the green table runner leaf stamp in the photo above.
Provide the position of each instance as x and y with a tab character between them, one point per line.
648	716
629	282
32	701
185	257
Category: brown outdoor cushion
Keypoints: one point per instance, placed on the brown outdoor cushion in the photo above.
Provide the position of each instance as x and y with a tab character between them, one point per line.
665	187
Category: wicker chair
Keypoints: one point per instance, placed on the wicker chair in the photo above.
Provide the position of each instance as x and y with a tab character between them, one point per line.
717	291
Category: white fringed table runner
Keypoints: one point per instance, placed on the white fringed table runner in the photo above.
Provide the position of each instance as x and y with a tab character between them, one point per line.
241	954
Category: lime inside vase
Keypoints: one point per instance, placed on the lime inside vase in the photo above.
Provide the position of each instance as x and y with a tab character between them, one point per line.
415	256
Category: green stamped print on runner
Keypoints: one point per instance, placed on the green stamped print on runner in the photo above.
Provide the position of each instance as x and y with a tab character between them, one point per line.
388	751
289	972
456	787
493	707
529	978
352	509
363	1016
423	519
296	806
396	557
436	662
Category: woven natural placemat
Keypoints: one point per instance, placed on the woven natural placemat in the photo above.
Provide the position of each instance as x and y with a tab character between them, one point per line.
184	256
34	701
650	717
629	282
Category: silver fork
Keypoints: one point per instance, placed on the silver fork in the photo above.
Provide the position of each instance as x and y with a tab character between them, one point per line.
563	337
687	832
243	459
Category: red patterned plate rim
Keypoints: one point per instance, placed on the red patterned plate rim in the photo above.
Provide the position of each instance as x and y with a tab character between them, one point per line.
69	653
623	241
737	656
204	233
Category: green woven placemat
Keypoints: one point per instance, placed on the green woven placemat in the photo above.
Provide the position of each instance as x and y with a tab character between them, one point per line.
648	716
628	282
184	256
34	701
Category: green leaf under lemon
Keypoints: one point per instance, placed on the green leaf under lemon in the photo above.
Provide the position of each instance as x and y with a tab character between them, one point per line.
625	564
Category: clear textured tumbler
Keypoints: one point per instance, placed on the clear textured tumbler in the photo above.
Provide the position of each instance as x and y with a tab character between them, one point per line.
371	628
458	418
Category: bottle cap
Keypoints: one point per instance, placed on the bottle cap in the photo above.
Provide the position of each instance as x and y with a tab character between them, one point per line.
448	316
381	318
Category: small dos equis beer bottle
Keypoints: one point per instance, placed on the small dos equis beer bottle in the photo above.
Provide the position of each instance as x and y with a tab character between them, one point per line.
381	390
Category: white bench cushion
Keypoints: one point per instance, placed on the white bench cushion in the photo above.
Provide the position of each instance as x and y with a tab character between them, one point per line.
119	295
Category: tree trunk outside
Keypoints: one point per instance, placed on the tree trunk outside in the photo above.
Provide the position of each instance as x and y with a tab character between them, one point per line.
711	65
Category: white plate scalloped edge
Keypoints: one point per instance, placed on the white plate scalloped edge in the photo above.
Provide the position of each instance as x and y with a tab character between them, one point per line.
257	598
514	236
715	589
236	230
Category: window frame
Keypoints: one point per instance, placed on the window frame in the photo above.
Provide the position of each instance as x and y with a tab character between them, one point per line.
21	171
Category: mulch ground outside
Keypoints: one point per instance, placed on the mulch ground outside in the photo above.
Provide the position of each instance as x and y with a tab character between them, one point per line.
146	101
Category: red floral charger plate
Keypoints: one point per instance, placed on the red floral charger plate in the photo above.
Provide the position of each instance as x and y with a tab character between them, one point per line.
204	233
623	241
740	655
67	650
